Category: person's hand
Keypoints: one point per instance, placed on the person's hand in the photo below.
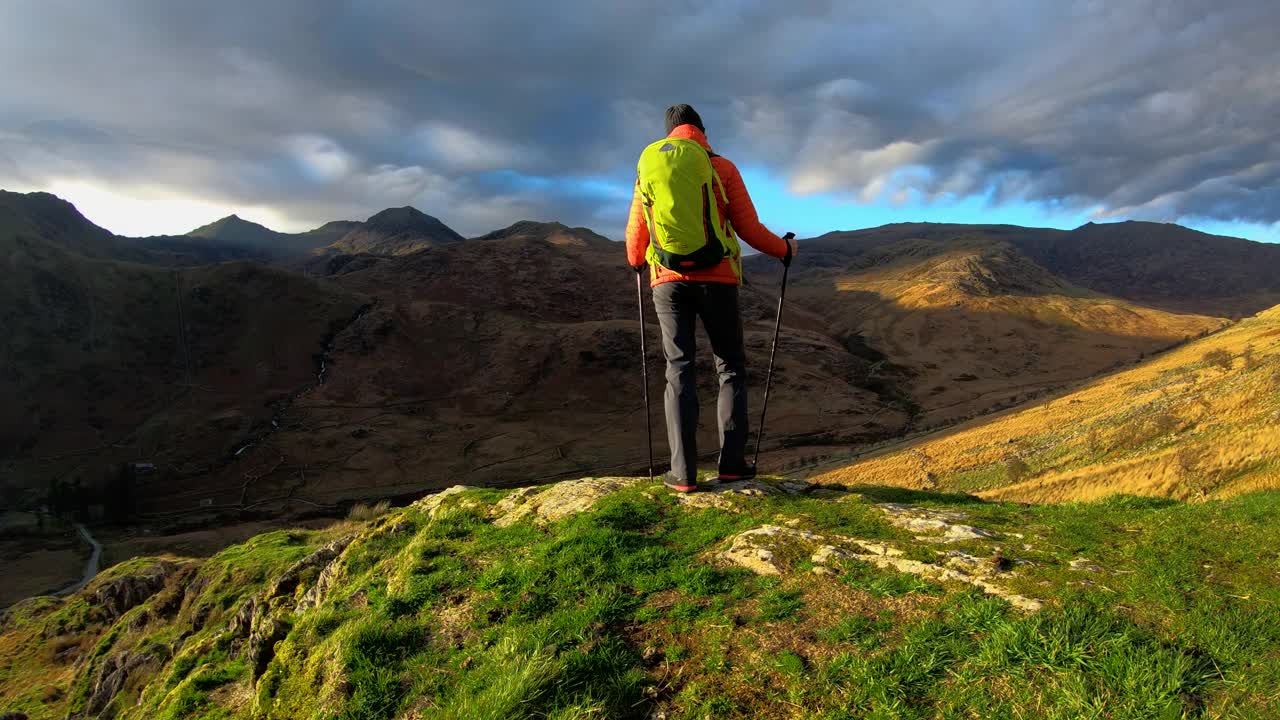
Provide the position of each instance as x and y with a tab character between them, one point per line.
639	268
792	248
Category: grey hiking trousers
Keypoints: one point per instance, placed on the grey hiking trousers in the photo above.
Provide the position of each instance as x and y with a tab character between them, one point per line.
679	305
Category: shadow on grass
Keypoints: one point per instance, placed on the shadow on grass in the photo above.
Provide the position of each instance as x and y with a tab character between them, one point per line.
889	494
1137	502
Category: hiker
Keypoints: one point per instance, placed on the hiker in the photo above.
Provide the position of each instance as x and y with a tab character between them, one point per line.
695	262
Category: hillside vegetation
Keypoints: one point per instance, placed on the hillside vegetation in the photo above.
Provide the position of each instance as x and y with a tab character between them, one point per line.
1197	422
975	323
516	357
611	598
109	362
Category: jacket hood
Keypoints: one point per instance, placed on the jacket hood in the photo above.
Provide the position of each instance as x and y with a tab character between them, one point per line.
690	132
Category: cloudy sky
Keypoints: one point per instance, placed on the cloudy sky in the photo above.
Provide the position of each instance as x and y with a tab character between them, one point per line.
158	116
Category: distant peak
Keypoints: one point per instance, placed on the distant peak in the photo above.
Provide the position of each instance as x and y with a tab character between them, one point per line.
230	220
410	220
231	227
47	207
402	213
530	225
554	232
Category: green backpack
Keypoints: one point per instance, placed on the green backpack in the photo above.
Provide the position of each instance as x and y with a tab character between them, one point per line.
678	187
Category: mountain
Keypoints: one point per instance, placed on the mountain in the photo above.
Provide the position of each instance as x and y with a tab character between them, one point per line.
518	346
108	362
554	233
610	598
522	344
233	230
396	231
1159	265
262	243
1165	266
521	349
1197	422
975	322
334	231
913	579
47	218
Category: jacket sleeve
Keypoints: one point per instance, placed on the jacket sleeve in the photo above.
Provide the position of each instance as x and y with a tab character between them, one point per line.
742	213
637	230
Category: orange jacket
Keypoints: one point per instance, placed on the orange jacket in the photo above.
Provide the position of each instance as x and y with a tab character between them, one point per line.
740	211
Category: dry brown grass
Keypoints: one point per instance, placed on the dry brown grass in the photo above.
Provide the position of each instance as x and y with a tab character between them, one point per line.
1191	424
361	512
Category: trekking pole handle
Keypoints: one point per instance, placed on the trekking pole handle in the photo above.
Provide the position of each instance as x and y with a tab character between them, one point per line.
786	261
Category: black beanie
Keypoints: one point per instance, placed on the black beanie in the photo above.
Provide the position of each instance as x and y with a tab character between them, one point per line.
682	114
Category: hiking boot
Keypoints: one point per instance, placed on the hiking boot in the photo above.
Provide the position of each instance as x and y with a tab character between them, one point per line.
678	485
746	472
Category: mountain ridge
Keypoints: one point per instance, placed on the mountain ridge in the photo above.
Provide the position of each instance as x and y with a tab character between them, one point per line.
476	351
395	231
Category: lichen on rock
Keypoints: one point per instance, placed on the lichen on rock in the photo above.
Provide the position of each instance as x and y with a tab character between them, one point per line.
937	526
727	496
555	502
778	550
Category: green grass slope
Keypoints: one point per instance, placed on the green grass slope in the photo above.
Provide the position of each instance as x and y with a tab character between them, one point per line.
612	598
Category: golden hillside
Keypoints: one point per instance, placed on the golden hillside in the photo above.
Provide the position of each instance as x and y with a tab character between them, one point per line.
979	325
1195	423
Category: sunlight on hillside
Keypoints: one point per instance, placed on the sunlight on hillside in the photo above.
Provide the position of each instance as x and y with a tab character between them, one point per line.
1196	423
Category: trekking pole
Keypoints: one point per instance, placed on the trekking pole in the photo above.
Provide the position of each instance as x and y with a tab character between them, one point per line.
764	407
644	368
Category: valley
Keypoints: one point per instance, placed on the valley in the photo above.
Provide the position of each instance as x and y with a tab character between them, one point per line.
392	358
959	430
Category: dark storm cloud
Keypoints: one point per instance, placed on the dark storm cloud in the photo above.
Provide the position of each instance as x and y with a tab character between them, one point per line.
484	113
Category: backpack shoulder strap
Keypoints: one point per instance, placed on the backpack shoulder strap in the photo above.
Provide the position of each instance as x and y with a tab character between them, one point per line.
723	191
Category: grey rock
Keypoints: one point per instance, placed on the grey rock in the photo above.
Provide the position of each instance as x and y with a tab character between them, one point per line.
120	595
108	681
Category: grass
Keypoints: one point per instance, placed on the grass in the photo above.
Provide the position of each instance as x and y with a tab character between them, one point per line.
361	512
1191	424
622	611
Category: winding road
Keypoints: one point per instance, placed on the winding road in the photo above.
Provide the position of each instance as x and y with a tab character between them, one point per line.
90	567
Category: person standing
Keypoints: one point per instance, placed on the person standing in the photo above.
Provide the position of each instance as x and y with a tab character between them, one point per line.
699	206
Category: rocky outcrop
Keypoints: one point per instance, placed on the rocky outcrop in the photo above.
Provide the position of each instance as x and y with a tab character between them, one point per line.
328	576
287	584
778	550
936	526
108	681
729	496
261	622
431	504
550	503
119	595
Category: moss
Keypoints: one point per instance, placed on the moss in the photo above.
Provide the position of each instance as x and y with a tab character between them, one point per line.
618	612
